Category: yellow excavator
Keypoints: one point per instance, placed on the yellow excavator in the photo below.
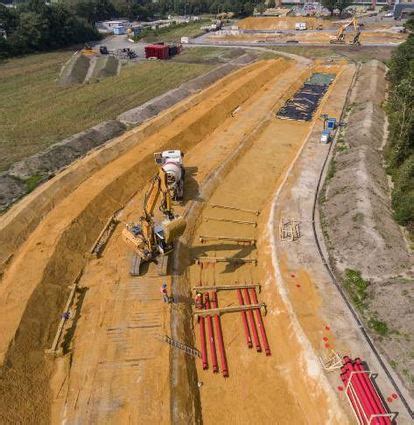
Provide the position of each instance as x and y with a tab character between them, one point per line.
340	35
151	240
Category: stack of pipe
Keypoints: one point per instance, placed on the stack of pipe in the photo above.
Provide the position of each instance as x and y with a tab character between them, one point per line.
210	332
364	398
249	323
203	339
219	333
248	297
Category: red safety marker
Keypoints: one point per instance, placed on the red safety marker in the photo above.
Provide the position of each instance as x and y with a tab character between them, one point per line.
340	388
327	345
325	338
292	275
327	328
394	396
297	285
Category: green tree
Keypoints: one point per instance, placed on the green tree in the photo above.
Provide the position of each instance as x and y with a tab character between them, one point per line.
330	5
400	147
271	4
95	10
260	8
341	5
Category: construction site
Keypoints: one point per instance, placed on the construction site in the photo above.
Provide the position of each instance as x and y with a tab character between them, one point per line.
179	272
311	30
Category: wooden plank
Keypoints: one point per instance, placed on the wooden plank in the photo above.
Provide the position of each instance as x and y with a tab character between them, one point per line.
248	241
226	287
53	349
225	260
229	207
230	309
229	220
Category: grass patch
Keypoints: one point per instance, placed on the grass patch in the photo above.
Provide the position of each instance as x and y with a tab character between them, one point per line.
356	287
358	217
173	33
35	112
378	326
342	147
208	54
331	170
32	182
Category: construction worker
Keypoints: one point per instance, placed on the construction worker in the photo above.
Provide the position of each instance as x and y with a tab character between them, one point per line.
164	293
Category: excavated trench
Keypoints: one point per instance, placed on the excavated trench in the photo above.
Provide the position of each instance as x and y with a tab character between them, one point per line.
186	401
35	284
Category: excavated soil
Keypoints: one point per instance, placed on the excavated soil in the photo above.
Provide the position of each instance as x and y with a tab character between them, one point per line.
90	399
259	387
116	369
367	37
35	284
359	228
282	23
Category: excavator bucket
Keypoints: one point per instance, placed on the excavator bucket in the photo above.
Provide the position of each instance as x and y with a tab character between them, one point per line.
173	229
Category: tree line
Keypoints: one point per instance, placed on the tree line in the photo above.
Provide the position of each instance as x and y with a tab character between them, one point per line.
35	25
400	149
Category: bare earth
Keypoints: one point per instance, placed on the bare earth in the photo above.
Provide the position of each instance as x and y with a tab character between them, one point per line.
115	369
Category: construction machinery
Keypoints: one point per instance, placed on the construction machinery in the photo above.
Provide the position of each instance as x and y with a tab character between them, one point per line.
340	35
172	163
215	26
88	50
151	240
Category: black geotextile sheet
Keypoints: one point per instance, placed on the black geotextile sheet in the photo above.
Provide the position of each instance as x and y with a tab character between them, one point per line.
305	101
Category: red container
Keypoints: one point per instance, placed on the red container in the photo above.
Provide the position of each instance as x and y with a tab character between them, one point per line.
157	51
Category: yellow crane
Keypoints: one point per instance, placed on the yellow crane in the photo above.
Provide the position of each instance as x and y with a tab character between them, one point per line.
151	240
340	35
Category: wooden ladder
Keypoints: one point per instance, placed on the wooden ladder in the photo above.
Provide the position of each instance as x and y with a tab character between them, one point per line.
181	346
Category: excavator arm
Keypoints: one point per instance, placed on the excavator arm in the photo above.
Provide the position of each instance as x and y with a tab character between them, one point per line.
158	187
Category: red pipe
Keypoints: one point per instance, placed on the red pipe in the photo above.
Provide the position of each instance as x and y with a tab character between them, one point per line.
378	407
244	319
355	405
203	341
360	389
219	333
358	407
210	332
252	322
260	323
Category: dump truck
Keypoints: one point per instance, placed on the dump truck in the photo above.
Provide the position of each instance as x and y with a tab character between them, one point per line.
172	163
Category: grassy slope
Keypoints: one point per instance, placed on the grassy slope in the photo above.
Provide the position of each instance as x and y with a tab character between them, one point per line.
35	112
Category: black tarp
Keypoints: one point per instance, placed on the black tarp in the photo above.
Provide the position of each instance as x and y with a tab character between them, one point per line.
305	101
